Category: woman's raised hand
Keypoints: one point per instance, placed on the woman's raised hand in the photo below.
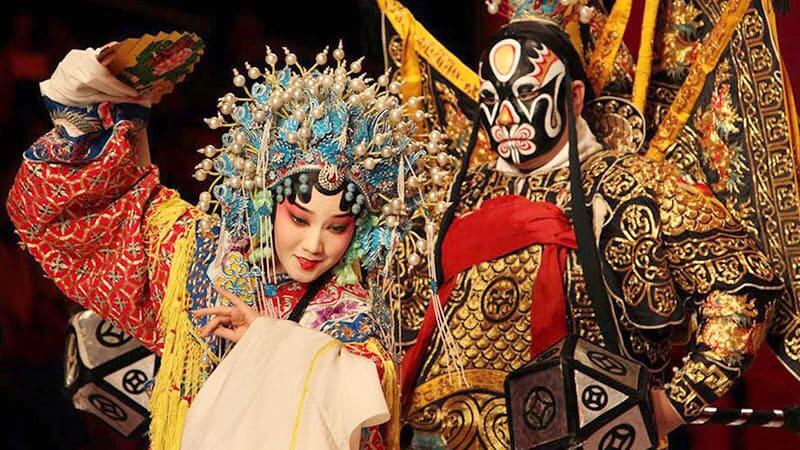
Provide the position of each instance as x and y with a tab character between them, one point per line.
229	322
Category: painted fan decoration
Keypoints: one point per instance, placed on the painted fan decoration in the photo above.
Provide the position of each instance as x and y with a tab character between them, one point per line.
153	65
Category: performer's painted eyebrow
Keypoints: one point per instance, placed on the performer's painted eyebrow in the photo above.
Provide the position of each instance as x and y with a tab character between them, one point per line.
295	207
344	214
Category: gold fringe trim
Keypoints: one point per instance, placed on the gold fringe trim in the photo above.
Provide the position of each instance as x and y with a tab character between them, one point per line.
430	49
601	62
161	221
644	62
716	42
185	357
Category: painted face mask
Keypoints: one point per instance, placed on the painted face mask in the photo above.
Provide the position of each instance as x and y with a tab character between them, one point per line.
522	98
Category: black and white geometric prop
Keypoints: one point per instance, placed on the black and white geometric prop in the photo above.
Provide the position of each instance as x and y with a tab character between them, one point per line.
578	395
108	373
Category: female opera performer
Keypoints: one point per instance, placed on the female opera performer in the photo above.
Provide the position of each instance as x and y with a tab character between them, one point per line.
302	207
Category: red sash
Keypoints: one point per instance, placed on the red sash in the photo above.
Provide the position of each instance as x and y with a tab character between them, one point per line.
500	226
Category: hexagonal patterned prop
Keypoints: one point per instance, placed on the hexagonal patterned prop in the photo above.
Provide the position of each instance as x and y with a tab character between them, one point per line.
578	395
107	373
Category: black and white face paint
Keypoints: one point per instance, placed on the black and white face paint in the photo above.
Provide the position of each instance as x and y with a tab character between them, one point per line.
522	98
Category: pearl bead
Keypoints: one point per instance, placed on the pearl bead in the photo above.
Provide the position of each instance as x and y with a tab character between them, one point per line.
361	149
291	137
391	221
419	115
249	185
297	94
566	2
441	207
291	59
236	183
422	245
338	54
341	78
229	98
249	166
492	8
260	116
413	182
203	206
271	59
238	164
338	88
414	259
357	85
209	151
432	197
397	204
413	102
395	116
379	139
370	163
205	196
299	115
436	178
205	225
304	133
321	59
240	138
586	13
275	102
383	80
386	152
318	112
386	209
355	66
253	73
327	81
442	158
207	164
236	148
394	87
239	80
199	175
435	136
432	147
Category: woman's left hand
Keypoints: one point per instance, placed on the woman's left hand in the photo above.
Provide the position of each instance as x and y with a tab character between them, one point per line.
230	322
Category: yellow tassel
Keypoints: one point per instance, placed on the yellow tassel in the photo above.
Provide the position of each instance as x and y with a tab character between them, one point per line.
182	364
161	220
391	392
644	63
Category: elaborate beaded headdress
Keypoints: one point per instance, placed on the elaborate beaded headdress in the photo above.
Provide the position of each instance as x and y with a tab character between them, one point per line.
294	128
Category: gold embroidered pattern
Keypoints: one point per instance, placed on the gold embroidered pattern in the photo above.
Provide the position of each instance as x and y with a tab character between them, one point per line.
472	418
637	253
489	313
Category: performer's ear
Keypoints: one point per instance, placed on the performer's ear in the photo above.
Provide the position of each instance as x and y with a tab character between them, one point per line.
578	92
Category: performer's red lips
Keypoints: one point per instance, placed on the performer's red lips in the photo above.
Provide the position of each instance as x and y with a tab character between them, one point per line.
307	264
